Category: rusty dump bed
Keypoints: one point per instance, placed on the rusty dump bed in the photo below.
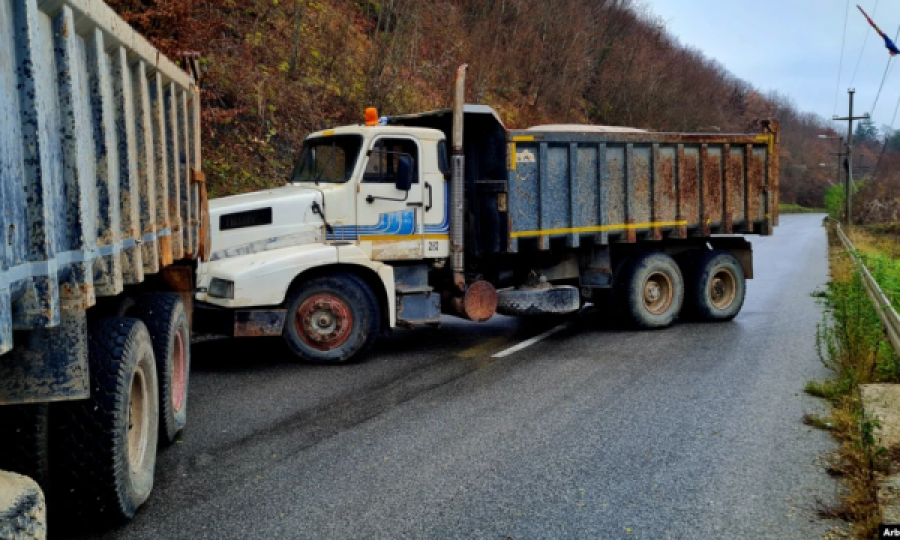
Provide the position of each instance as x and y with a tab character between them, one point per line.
99	138
625	186
571	183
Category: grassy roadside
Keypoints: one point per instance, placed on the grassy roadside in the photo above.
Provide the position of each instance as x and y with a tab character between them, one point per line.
786	208
852	345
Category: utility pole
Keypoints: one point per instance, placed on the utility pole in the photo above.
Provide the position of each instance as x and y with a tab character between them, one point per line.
839	155
850	118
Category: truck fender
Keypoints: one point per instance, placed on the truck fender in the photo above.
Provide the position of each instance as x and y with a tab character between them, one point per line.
351	254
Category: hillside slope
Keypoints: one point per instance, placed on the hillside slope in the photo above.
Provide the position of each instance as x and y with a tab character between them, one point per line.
278	69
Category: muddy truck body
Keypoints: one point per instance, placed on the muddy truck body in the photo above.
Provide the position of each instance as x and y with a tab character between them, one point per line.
101	212
391	223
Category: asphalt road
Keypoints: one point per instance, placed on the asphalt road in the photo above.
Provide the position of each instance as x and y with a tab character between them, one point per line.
690	432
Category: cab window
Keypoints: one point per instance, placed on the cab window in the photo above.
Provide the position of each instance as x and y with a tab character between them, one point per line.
385	157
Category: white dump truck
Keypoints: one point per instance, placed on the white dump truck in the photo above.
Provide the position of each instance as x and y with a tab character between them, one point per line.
385	225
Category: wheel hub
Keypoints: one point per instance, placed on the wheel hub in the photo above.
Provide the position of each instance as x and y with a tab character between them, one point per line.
722	289
658	293
324	321
179	369
138	421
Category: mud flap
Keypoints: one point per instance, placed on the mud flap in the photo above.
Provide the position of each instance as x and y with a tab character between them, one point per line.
49	364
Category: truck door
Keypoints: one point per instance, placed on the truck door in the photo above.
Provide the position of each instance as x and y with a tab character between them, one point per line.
390	216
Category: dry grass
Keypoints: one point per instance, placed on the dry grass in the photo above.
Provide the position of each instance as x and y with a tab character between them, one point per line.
859	463
851	344
875	240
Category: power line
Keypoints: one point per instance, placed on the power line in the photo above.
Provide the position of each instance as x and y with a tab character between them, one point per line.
884	146
884	77
863	49
841	61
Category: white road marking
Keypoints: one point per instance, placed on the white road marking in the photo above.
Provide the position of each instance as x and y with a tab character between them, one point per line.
530	342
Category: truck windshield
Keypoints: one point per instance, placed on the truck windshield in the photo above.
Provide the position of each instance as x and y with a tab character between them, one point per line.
327	159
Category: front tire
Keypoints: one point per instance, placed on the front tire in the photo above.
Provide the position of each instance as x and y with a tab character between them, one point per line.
331	320
651	291
716	287
104	448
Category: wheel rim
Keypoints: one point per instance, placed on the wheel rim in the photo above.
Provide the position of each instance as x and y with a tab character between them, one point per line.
722	289
324	321
138	420
179	372
658	293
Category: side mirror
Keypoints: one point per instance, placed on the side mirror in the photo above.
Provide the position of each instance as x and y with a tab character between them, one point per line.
404	173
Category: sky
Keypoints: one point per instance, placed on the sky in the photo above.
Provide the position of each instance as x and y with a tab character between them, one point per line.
794	47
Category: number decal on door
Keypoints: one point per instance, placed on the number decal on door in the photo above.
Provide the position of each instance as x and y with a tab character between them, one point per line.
432	246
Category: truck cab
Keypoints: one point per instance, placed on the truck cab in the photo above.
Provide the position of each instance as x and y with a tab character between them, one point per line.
365	205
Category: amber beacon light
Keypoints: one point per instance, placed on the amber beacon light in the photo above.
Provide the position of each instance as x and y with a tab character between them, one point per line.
371	116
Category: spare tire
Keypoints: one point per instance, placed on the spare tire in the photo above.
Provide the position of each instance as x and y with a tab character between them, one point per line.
550	301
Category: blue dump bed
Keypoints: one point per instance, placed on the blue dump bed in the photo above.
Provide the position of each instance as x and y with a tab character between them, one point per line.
570	183
99	160
578	182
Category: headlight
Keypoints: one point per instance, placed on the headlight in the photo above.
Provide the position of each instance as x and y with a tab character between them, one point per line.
221	288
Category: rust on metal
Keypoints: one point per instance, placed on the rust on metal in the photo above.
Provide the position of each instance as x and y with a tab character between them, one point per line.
630	232
324	321
479	303
166	256
203	247
734	186
772	129
180	279
665	197
639	207
748	192
712	185
689	184
756	185
259	323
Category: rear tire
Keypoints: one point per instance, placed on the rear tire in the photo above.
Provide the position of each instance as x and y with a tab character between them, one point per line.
331	320
104	448
23	514
716	287
651	291
166	320
24	430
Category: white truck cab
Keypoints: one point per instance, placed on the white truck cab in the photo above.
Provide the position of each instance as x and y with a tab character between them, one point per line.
315	260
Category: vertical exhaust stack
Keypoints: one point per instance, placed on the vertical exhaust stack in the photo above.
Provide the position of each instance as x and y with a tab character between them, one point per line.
457	184
477	301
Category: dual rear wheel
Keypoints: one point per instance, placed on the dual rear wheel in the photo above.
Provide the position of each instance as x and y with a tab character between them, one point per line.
653	289
98	456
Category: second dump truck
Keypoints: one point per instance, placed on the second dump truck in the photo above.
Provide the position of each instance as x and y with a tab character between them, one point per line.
102	208
393	222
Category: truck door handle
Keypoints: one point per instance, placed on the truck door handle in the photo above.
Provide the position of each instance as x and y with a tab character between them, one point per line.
428	187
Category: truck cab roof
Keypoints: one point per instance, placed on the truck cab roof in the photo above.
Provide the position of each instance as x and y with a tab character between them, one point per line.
373	131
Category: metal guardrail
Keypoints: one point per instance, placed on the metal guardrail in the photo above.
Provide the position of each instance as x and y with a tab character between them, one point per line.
886	312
